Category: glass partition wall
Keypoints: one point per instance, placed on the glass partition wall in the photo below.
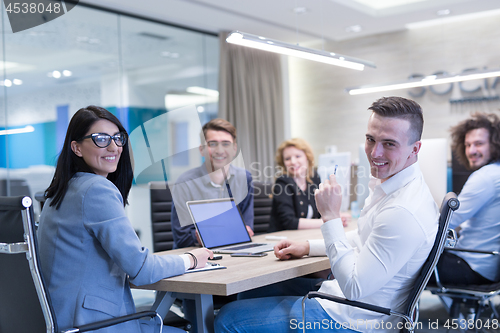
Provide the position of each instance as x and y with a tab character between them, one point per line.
137	68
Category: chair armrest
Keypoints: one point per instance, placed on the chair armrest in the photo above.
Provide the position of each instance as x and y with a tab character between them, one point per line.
375	308
110	322
473	251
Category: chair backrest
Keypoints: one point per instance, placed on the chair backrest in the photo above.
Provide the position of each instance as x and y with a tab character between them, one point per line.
262	203
24	303
17	187
449	205
40	197
161	214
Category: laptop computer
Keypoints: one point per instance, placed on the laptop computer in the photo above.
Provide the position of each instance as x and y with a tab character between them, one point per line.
221	227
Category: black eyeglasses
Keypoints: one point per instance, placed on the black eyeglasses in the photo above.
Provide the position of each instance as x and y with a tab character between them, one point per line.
102	140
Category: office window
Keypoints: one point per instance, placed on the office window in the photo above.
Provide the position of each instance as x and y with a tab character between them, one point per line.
131	66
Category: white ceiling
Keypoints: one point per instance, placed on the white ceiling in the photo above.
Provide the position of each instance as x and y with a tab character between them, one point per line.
277	19
58	44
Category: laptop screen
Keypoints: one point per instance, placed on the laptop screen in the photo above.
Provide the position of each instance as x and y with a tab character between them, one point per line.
219	222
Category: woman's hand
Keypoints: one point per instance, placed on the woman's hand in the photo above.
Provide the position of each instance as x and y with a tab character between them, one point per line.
202	256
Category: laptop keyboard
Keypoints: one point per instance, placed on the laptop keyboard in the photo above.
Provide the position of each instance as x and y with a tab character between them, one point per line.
241	247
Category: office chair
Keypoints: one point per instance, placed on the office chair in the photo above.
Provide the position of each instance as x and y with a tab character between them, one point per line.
475	299
262	204
16	186
40	197
23	293
161	214
410	315
163	238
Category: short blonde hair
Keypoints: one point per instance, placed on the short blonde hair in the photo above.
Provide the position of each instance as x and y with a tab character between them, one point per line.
299	144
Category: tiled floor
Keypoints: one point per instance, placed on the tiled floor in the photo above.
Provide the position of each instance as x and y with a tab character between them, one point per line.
433	316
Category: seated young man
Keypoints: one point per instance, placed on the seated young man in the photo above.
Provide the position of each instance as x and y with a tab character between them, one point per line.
214	179
377	263
476	142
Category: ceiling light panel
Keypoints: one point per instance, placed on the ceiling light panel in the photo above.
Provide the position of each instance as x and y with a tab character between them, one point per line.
275	46
384	4
423	82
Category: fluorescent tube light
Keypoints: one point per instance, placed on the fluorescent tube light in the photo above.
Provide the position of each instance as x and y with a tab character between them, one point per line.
202	91
426	81
26	129
270	45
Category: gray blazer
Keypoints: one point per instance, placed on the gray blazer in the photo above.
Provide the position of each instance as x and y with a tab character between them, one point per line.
89	253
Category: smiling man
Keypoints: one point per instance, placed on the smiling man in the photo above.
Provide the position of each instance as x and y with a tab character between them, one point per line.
377	263
216	178
476	142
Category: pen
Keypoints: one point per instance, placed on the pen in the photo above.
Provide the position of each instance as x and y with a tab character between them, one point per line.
335	171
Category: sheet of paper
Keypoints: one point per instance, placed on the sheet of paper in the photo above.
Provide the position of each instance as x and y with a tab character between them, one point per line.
208	267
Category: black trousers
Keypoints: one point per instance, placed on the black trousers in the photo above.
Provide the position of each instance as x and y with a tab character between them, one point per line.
453	270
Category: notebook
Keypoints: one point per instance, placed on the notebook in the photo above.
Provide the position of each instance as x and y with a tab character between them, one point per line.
221	227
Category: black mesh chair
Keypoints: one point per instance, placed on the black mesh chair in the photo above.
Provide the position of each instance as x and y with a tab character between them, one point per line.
163	239
410	314
262	203
467	301
40	197
22	290
16	186
161	214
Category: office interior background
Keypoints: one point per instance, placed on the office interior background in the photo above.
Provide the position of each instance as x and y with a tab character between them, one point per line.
143	59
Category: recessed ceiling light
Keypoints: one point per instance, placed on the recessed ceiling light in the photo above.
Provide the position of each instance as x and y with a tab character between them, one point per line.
67	73
443	12
200	109
300	10
354	28
167	54
7	83
17	82
384	4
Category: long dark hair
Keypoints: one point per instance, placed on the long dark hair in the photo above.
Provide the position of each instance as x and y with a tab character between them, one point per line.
69	163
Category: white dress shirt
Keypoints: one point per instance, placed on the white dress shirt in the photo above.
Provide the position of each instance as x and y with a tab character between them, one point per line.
480	209
378	262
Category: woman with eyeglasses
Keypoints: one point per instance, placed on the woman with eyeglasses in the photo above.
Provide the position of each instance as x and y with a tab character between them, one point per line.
89	251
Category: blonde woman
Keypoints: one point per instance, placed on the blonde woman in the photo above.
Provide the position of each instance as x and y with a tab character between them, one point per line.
294	206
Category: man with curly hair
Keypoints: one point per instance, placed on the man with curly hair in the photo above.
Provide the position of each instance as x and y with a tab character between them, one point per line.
476	142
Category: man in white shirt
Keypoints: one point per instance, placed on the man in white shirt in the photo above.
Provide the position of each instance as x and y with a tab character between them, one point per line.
476	143
378	262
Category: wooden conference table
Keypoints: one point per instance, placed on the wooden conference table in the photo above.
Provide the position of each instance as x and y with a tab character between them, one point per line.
241	274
